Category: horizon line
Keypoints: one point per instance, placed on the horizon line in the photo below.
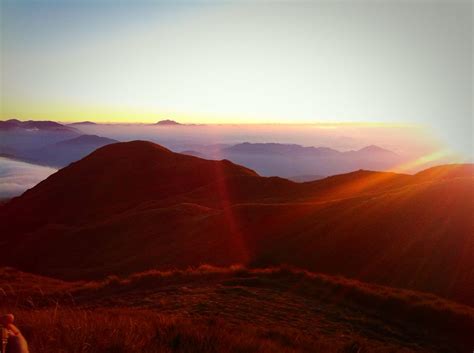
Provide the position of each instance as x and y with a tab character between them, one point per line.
263	123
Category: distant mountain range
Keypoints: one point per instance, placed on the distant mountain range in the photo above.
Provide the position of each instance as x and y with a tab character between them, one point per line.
133	206
289	160
278	148
42	143
14	124
298	150
19	136
47	142
62	153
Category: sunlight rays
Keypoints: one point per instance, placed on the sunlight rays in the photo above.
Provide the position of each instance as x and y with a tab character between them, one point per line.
436	157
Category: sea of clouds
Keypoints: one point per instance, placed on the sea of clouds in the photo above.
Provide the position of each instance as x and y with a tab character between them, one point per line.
16	177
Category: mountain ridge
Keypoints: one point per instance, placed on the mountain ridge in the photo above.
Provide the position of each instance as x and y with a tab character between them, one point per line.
47	125
132	206
60	154
288	160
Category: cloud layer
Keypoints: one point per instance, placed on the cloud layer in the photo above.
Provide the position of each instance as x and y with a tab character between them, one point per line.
16	177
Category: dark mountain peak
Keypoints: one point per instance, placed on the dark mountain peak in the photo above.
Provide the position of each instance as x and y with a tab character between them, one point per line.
118	176
167	122
13	121
153	158
133	148
124	156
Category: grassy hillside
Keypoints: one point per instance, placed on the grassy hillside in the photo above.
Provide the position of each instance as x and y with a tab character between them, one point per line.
129	207
233	309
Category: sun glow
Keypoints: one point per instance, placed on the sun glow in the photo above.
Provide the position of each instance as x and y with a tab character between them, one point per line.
436	157
239	63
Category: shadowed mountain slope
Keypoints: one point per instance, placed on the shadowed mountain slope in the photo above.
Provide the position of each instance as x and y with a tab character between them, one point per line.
132	206
117	177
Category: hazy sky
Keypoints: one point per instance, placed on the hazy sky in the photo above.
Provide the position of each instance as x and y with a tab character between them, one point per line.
241	61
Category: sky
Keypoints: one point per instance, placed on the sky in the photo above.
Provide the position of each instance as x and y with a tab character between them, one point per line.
373	62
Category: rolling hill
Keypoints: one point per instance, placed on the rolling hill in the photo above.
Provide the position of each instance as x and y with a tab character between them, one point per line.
133	206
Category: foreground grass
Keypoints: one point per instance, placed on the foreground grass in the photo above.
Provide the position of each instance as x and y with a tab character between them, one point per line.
395	306
59	330
231	310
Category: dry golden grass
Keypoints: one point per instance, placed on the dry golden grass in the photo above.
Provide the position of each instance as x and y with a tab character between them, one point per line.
397	305
211	309
59	330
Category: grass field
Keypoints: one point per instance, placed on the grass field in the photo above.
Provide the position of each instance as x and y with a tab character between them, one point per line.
234	309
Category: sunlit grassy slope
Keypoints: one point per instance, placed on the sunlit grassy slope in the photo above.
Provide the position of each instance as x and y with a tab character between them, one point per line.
129	207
